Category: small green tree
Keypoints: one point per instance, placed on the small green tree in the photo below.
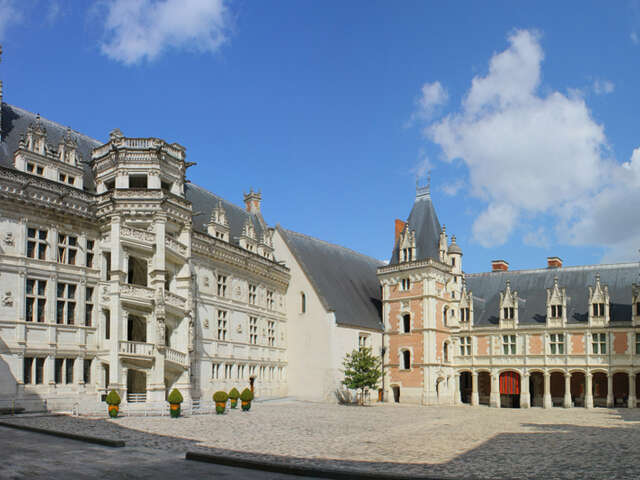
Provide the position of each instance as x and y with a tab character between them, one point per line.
361	370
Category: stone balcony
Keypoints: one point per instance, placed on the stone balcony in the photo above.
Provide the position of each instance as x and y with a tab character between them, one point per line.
136	349
175	248
176	357
136	295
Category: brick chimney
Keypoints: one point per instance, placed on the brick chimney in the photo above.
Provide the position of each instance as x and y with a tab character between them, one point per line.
252	201
399	227
554	262
499	265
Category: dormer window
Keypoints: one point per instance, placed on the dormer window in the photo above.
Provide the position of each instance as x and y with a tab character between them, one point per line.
599	303
465	314
597	309
405	284
508	307
508	313
407	254
407	245
556	311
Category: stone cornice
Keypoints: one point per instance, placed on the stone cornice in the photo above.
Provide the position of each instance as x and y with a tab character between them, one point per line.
405	266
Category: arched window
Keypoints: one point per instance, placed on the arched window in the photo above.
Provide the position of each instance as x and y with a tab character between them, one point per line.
406	323
445	352
303	303
444	315
406	359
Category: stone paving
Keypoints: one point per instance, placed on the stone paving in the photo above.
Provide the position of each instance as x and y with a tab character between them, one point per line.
459	442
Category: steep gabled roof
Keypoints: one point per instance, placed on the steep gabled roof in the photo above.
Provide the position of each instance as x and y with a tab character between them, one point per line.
532	285
424	221
16	121
345	281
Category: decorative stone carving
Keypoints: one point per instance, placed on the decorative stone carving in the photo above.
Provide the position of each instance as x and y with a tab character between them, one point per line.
8	239
7	300
205	281
239	328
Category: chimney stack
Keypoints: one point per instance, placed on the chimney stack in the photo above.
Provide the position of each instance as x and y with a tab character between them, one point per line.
399	227
499	266
554	262
252	201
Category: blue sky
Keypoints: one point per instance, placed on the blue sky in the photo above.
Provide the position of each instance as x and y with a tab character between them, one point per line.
525	113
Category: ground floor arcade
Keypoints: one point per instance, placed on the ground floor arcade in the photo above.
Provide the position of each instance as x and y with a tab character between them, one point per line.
548	388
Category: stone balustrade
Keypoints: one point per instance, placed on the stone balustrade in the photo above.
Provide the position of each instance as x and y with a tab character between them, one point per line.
138	349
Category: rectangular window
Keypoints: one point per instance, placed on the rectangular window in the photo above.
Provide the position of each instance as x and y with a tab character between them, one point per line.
363	341
39	170
599	343
465	314
58	370
36	300
556	343
86	372
37	243
253	330
107	324
509	344
271	333
30	167
67	249
508	313
556	311
39	371
465	346
240	372
215	371
222	325
228	369
90	246
27	378
252	294
88	312
405	285
269	300
66	304
598	309
222	285
68	376
637	343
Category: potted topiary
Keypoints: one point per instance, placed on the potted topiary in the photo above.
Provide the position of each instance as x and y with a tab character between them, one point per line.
113	400
175	399
220	398
234	394
246	396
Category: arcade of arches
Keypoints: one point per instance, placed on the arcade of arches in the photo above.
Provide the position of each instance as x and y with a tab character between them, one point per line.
538	388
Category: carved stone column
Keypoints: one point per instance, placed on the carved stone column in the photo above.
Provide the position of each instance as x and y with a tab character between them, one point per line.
609	390
494	399
546	399
631	403
456	389
567	390
525	395
588	390
475	401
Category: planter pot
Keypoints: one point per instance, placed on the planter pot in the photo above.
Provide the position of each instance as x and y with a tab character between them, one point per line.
174	410
113	411
220	407
246	406
234	402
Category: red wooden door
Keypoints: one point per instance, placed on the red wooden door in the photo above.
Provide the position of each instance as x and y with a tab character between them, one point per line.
510	383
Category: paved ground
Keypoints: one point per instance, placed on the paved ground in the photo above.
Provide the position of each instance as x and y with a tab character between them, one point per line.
458	442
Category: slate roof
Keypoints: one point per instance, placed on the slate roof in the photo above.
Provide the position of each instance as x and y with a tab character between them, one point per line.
532	285
15	122
345	281
424	221
203	202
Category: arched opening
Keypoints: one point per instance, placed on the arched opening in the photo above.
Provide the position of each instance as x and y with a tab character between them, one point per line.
620	389
577	389
406	323
465	387
600	389
510	389
536	389
406	359
557	389
484	388
136	386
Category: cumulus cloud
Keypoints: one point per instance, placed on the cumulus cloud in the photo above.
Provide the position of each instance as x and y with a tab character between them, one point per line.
137	30
423	166
452	188
526	151
537	238
9	16
602	87
432	95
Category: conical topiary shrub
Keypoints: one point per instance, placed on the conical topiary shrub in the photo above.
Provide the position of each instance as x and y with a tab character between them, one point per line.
175	399
234	394
246	397
220	398
113	400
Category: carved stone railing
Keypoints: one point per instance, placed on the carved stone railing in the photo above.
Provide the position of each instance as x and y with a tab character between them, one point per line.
174	300
137	234
137	349
176	357
173	244
136	291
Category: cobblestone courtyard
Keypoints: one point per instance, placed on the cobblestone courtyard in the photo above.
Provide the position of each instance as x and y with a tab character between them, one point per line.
460	442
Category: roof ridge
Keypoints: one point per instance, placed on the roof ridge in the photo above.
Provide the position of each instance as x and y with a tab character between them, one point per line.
380	262
56	124
571	268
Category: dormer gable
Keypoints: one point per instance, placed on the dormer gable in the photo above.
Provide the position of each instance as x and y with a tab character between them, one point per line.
556	305
218	226
68	149
466	307
248	238
598	304
265	246
508	313
407	245
35	139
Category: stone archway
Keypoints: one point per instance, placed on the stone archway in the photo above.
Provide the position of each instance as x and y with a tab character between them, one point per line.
556	383
509	389
620	389
600	389
577	389
536	388
465	387
484	388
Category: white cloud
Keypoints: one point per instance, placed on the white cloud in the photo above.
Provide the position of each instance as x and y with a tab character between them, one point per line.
537	238
601	87
634	38
9	16
138	30
433	95
526	152
452	188
422	167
